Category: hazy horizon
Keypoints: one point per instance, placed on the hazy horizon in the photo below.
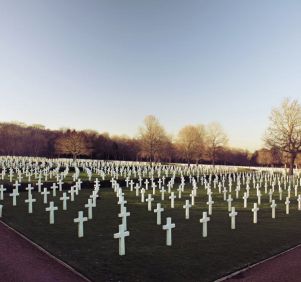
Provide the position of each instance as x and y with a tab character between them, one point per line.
105	65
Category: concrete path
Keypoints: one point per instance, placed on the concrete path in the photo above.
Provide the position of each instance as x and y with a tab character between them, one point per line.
21	260
285	267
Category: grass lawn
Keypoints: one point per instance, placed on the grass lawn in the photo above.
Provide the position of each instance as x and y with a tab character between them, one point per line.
191	257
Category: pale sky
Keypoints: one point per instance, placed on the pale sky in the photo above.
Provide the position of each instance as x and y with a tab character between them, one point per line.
105	65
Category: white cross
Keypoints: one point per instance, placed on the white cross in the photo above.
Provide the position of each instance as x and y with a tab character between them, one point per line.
204	220
233	214
72	193
162	193
229	200
280	194
210	203
299	202
124	214
179	192
146	184
172	200
121	201
60	183
149	202
96	182
255	210
225	193
121	235
187	206
127	182
137	187
11	174
219	187
132	184
14	194
158	210
39	184
51	210
237	192
16	185
192	198
89	205
273	206
168	227
270	195
79	183
76	188
230	186
80	220
154	186
54	187
287	205
248	191
142	191
245	197
160	182
2	189
30	200
29	189
45	193
94	196
64	199
169	186
259	198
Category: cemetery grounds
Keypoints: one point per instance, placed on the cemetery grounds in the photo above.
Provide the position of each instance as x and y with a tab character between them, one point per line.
191	257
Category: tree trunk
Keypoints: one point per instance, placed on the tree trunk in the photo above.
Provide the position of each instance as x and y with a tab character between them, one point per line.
292	162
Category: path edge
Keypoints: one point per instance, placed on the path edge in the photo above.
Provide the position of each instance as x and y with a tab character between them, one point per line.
231	275
46	252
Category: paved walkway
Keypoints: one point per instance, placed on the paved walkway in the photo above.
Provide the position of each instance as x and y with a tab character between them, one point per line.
285	267
21	260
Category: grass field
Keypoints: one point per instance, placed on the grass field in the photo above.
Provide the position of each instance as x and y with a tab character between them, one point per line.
191	257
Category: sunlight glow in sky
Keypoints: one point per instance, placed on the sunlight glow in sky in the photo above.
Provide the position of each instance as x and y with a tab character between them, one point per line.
105	65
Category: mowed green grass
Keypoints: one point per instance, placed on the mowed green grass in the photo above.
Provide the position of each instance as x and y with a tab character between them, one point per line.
190	258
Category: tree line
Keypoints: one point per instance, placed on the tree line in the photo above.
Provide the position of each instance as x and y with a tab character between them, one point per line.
193	143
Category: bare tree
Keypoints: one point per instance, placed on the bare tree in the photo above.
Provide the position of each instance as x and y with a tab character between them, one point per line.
284	132
190	142
72	143
152	137
216	139
167	150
